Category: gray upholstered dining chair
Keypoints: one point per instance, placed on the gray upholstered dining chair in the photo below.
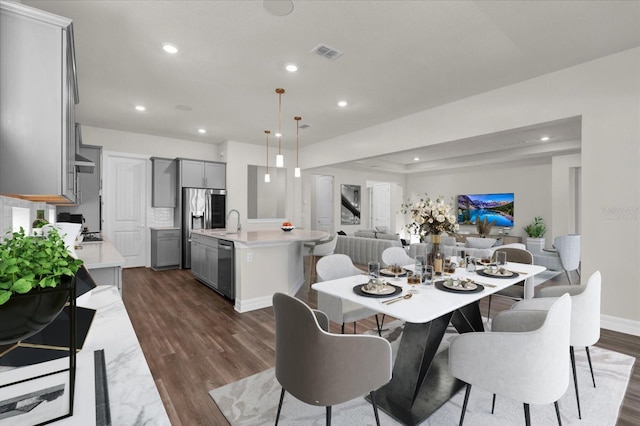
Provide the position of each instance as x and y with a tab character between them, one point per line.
517	291
325	369
585	317
338	310
524	357
396	256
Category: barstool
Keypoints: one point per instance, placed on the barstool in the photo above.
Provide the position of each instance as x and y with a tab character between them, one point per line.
318	249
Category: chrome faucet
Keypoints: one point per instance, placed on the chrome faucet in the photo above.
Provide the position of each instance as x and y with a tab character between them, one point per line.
239	227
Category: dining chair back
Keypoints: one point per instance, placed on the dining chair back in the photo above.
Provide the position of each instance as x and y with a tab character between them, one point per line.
338	310
396	256
524	357
325	369
318	249
585	317
568	247
517	291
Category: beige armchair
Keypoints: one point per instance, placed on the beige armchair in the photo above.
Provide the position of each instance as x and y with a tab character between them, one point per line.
585	317
325	369
524	357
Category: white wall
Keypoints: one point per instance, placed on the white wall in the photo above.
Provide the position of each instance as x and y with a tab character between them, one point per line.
529	181
606	94
351	177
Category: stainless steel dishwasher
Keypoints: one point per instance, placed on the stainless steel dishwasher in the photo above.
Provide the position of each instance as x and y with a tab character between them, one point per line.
226	269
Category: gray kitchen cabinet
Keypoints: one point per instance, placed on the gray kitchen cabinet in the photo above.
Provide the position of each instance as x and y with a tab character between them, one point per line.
39	93
165	248
202	174
204	259
164	182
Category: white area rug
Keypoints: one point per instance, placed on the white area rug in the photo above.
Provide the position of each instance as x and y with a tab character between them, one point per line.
254	401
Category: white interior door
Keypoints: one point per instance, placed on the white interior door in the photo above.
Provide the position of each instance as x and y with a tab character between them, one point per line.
381	205
125	205
324	203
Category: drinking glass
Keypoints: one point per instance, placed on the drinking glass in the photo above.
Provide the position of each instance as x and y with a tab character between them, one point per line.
374	269
501	258
428	274
413	279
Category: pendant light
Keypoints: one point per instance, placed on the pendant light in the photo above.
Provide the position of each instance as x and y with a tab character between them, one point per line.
267	178
297	169
279	157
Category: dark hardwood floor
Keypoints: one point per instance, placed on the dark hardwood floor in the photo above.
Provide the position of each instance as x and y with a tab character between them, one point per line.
194	341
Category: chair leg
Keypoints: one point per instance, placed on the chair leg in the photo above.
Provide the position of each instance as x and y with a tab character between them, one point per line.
558	413
342	328
527	415
575	379
590	366
493	403
329	415
375	406
489	309
280	406
568	276
378	326
464	404
354	327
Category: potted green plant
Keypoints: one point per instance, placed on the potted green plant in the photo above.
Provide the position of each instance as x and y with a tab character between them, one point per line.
535	235
37	274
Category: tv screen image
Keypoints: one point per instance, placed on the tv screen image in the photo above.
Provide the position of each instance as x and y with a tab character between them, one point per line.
498	207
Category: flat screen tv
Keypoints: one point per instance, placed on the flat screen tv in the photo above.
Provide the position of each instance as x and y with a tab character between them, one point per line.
498	207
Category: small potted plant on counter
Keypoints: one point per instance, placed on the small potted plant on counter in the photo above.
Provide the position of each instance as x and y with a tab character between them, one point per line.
37	274
535	233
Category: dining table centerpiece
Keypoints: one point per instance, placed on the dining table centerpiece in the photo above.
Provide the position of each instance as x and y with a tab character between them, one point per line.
430	217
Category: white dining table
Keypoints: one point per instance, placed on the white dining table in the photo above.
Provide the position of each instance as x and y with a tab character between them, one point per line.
421	382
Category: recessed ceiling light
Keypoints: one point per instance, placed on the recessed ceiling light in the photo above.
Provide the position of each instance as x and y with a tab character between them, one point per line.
545	138
416	158
170	48
292	68
202	131
342	104
278	135
141	108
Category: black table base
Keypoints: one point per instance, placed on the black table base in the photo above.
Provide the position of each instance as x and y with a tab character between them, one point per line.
421	382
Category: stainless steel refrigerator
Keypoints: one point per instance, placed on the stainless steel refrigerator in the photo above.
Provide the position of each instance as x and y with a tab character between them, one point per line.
201	209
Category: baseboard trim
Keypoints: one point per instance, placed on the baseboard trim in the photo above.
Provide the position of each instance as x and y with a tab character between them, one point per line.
243	306
620	325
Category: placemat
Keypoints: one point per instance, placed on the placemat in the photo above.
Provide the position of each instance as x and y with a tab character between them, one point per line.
358	290
440	286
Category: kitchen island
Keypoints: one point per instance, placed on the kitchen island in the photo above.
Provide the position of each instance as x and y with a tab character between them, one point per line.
264	262
103	261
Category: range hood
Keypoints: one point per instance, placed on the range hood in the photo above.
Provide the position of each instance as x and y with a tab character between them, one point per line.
84	165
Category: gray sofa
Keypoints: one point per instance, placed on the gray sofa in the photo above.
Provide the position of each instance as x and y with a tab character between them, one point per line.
362	250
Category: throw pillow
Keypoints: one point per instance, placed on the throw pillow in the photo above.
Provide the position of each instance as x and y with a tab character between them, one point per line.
383	229
481	243
342	233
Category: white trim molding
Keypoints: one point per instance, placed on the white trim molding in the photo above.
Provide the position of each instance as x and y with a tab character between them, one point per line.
620	325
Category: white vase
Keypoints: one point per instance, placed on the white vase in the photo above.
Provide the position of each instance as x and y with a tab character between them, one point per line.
535	245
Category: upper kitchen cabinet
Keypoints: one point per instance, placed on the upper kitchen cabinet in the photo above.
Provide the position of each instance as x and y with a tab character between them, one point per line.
202	174
164	178
39	92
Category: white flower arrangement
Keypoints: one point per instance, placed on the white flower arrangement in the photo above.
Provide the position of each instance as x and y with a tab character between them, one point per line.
430	217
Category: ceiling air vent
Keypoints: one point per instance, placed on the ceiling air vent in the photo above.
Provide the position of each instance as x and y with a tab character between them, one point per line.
327	52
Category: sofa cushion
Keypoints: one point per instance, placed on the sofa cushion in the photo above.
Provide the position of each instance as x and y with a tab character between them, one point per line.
394	237
365	233
383	229
480	243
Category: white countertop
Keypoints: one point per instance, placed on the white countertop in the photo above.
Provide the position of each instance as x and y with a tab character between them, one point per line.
264	237
99	255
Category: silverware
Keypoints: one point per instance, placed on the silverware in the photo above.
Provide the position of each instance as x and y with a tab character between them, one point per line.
519	272
397	299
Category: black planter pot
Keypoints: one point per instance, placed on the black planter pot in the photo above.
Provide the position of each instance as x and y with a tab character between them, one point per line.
23	315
